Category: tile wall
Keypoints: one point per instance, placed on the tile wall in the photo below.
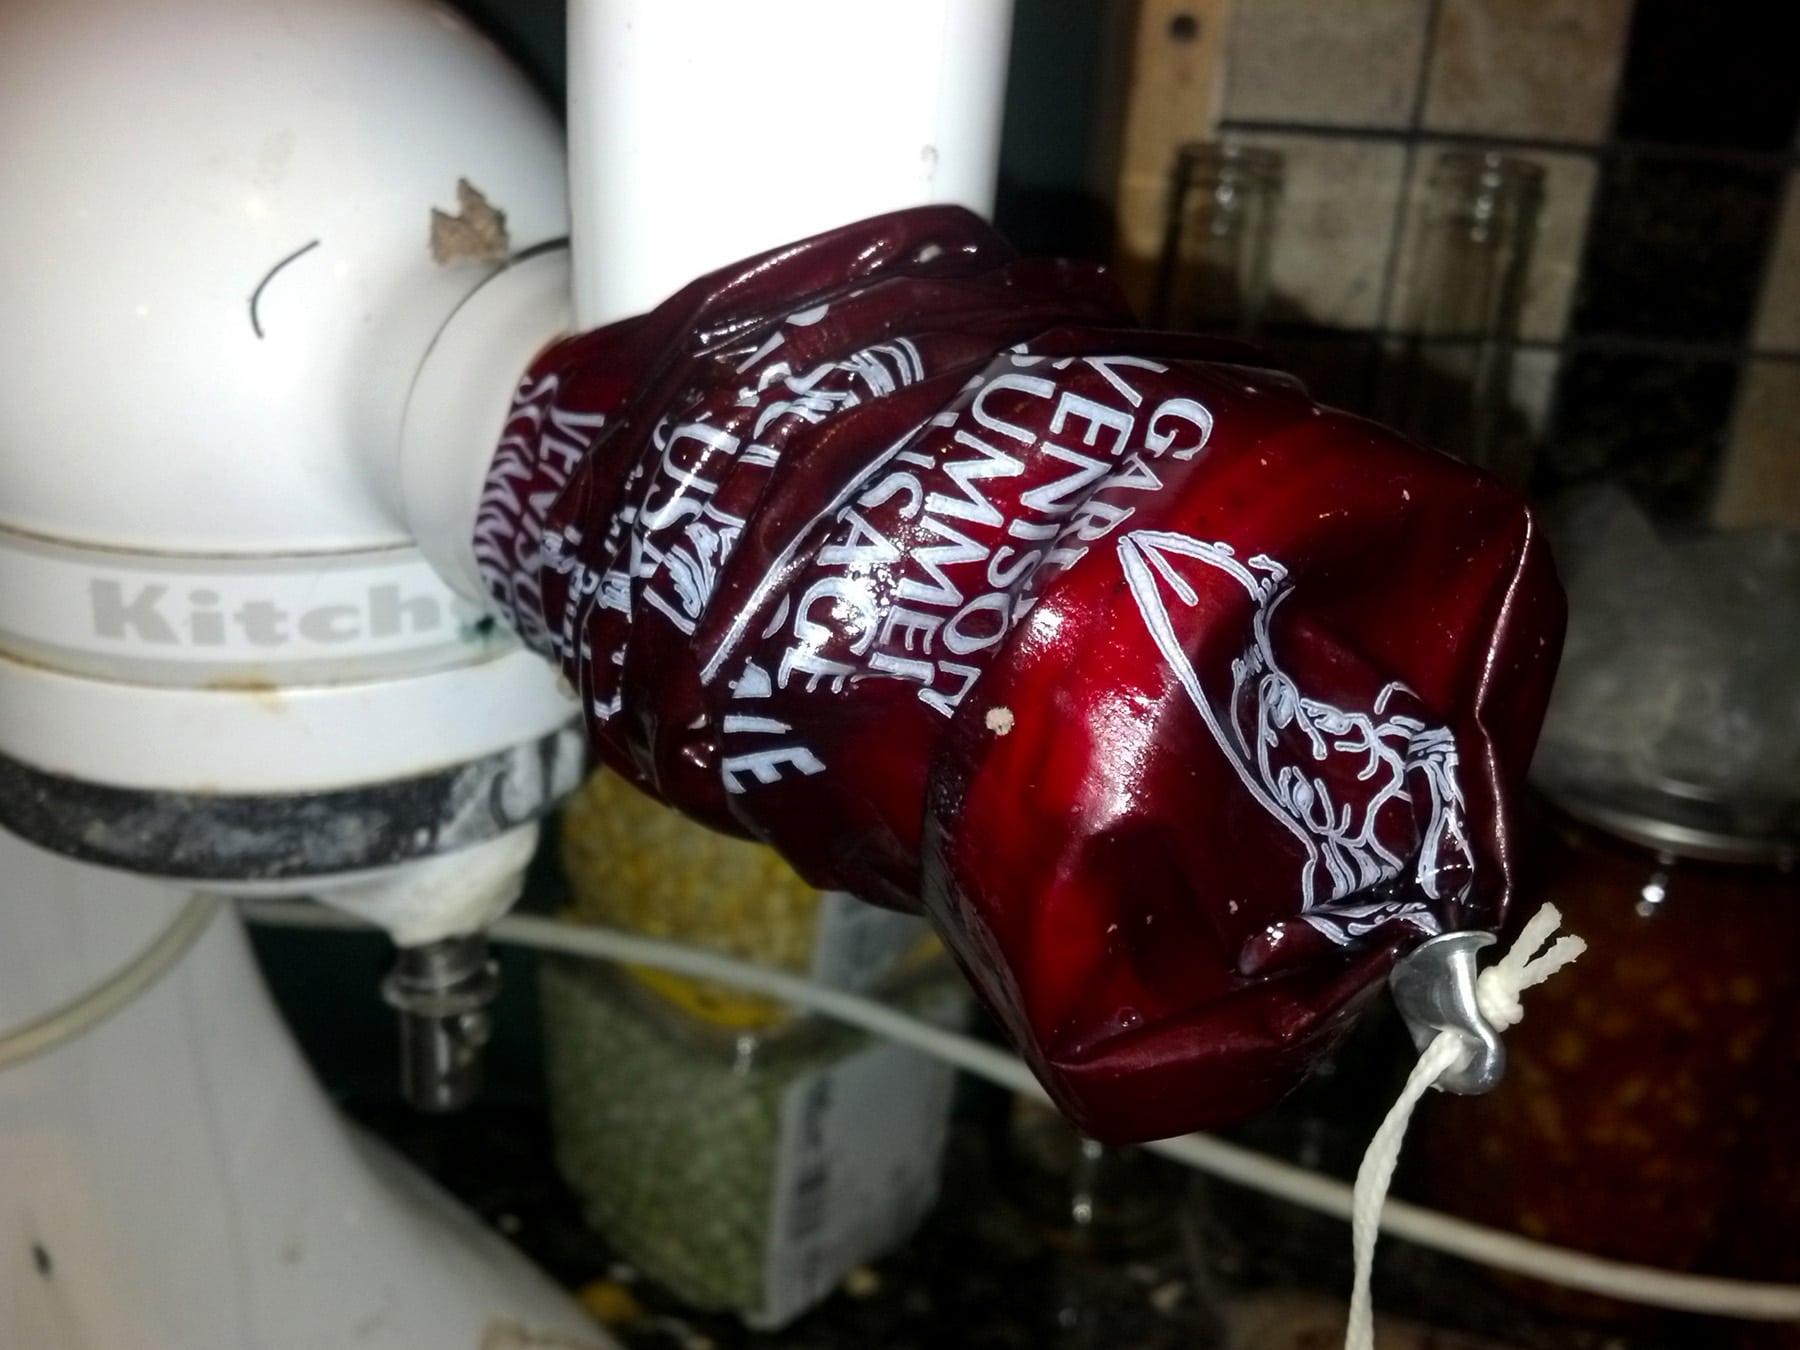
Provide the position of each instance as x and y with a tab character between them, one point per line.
1660	334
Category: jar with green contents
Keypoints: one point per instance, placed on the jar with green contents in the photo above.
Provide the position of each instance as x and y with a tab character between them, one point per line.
742	1155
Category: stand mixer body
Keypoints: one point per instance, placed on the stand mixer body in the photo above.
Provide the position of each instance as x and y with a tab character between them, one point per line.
249	386
221	657
223	663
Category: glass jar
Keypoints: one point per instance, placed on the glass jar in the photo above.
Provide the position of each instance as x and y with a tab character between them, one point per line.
1213	273
1649	1099
1472	242
739	1152
745	1171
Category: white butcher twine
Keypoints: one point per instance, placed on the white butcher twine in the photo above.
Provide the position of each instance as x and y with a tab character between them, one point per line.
1497	991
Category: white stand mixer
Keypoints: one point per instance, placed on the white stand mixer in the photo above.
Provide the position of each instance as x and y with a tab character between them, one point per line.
244	414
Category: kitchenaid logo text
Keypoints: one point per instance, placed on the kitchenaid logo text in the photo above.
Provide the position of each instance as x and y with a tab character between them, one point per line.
166	616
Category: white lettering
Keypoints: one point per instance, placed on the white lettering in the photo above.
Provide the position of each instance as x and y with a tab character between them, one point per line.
1186	415
909	622
934	559
1034	386
765	766
1002	577
1053	498
945	703
1107	367
865	549
971	505
957	635
884	491
906	668
1097	416
852	607
807	661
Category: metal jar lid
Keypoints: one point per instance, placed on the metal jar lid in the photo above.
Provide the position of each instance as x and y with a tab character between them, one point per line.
1683	819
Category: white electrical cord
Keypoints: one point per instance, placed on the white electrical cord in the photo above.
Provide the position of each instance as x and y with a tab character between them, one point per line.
82	1013
1491	1247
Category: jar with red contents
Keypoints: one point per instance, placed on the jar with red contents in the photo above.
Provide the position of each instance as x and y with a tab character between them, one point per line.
1651	1106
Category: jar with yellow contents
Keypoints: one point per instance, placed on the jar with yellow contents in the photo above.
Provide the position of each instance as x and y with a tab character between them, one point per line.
742	1154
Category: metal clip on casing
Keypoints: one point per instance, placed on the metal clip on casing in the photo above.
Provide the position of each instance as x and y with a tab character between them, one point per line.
1434	987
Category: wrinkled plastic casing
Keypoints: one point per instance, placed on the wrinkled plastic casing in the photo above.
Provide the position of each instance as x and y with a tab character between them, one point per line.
1181	704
